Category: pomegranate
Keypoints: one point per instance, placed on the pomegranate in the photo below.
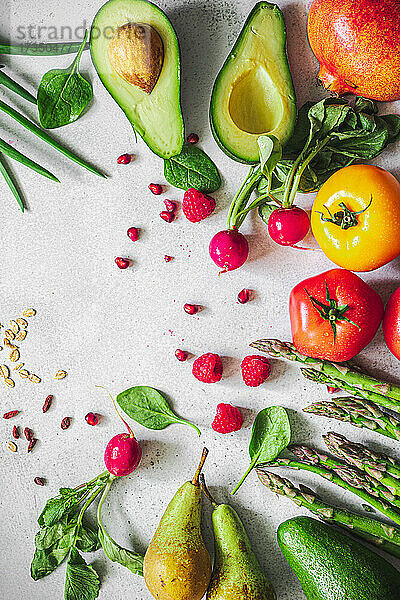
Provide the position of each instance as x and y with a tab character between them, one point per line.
357	43
191	309
193	138
156	189
167	216
124	159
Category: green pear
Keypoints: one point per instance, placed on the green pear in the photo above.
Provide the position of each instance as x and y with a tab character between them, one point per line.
237	573
177	565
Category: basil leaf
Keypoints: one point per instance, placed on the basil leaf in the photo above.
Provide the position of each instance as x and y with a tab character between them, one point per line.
270	435
82	581
147	406
63	94
115	552
192	168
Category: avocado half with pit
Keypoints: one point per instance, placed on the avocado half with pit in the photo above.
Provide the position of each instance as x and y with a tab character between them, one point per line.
253	93
135	52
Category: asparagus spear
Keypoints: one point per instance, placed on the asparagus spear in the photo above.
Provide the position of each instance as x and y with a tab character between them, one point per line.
360	414
341	371
366	481
385	536
348	479
320	377
380	466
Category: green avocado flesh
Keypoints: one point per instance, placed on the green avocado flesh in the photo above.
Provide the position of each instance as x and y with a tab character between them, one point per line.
332	566
253	93
155	116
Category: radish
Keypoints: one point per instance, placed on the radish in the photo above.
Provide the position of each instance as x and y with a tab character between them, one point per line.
229	249
288	226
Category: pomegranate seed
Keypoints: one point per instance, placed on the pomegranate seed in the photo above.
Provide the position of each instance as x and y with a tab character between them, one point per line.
191	309
47	403
193	138
170	206
32	444
124	159
156	189
10	414
167	216
39	481
92	419
181	355
244	296
133	234
122	263
332	390
15	433
168	258
28	433
66	422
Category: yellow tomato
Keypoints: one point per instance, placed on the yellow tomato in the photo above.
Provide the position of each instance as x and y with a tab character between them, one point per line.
356	217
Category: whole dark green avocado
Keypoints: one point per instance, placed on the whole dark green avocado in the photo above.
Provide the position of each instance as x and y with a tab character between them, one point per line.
332	566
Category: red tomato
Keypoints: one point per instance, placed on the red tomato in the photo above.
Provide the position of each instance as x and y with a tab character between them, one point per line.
391	324
334	315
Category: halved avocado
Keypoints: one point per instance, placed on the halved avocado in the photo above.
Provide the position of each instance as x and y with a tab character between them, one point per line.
253	93
135	52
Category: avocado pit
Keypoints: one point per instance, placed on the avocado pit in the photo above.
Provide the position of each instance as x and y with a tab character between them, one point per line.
136	53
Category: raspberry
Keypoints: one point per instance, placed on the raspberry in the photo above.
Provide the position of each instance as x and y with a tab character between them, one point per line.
255	370
197	206
208	368
228	419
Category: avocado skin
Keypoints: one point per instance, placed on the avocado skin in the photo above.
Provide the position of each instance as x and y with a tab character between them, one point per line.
332	566
260	6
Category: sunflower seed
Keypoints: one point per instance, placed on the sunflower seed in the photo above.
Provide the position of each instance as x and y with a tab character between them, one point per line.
9	335
14	355
18	367
34	378
29	312
14	327
4	371
22	323
11	446
60	374
9	382
24	373
21	335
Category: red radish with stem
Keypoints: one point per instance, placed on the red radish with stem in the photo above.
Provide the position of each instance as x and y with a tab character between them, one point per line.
288	226
123	452
229	249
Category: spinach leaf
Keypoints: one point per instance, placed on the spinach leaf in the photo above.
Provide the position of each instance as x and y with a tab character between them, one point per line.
270	435
115	552
147	406
82	581
192	168
63	94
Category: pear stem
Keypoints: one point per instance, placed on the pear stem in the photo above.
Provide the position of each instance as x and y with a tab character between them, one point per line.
206	492
195	480
131	435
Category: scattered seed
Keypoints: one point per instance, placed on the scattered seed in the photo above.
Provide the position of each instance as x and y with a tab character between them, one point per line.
168	258
170	206
22	323
28	433
181	355
191	309
24	373
4	371
193	138
9	335
39	481
92	419
14	355
15	432
7	343
122	263
32	444
156	189
29	312
9	382
21	335
14	327
60	374
10	414
11	446
66	422
167	216
34	378
1	348
133	233
47	403
244	296
18	367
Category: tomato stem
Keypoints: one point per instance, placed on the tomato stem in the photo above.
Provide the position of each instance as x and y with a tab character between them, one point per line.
344	218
